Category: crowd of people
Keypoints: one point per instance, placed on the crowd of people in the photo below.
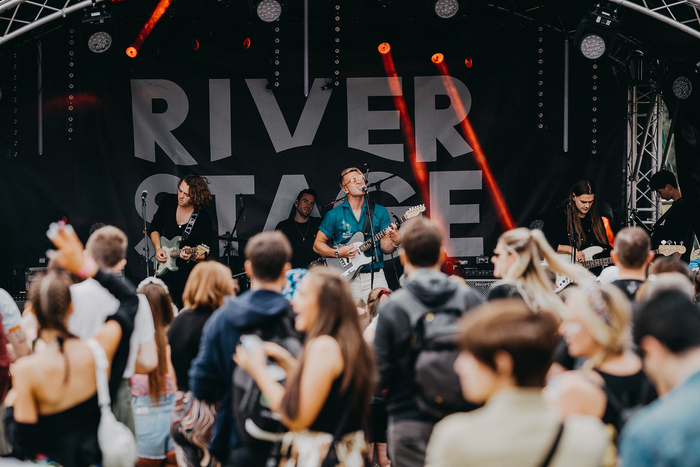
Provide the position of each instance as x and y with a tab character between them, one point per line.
308	368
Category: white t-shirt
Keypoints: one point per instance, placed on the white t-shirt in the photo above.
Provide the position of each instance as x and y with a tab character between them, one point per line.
92	304
11	316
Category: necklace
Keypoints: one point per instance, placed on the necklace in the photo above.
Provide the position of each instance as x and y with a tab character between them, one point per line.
303	235
179	218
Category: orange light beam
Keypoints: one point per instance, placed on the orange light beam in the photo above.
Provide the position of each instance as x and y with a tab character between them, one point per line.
496	195
146	30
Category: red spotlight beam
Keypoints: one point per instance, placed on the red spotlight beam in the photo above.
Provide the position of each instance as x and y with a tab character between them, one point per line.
148	27
496	195
420	172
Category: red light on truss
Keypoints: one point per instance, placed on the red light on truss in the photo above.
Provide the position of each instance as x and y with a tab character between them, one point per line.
468	62
384	48
132	52
437	58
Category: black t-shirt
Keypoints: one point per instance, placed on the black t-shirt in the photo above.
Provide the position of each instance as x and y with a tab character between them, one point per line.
165	223
302	237
184	335
628	286
557	234
675	228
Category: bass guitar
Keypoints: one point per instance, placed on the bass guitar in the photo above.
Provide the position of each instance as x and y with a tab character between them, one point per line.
351	266
591	262
173	250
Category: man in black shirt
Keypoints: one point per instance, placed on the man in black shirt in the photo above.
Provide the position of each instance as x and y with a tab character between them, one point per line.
674	226
300	228
631	255
182	217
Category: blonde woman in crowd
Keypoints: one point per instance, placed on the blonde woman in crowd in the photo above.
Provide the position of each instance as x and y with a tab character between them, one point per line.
596	327
518	261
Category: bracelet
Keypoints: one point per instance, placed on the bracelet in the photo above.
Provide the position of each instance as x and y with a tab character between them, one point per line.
336	253
87	268
395	245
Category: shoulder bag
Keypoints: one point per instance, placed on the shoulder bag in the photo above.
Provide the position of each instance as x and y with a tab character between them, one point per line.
116	441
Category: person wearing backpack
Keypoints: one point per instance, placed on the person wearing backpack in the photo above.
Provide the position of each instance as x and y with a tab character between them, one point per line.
210	377
428	301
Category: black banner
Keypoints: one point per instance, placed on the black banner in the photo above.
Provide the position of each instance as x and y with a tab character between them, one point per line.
100	129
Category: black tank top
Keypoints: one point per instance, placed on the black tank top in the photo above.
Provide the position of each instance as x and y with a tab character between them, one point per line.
625	392
335	407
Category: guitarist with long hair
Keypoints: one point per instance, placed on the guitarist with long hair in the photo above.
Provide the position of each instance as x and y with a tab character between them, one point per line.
181	230
343	222
577	224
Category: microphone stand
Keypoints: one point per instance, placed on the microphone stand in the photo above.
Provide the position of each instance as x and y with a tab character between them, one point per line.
229	238
369	211
331	203
145	235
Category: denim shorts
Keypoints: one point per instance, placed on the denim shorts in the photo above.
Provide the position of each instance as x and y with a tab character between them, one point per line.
153	426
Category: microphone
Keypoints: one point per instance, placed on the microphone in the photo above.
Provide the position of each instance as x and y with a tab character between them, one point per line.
144	193
364	188
240	197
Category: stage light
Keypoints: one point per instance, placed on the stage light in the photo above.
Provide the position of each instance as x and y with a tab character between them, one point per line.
99	37
468	62
437	58
682	87
445	8
132	52
266	10
384	48
596	33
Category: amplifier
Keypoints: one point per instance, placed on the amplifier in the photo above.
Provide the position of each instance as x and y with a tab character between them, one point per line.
30	274
481	286
477	267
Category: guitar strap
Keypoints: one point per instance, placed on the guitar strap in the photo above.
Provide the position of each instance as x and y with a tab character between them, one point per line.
190	224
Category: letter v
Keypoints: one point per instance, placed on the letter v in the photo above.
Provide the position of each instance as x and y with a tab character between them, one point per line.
272	117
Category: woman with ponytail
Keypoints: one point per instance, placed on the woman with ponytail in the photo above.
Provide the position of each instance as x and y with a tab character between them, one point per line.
597	328
154	393
518	261
54	414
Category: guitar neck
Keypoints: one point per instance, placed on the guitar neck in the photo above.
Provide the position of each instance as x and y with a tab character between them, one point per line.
188	251
368	244
594	263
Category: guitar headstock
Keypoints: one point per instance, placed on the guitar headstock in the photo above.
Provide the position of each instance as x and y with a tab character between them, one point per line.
669	249
202	249
414	211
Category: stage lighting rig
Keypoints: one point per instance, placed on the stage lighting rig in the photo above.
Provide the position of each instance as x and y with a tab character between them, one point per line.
267	10
597	32
444	8
96	28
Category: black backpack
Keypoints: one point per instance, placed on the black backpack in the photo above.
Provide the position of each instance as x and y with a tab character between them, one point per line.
250	406
433	347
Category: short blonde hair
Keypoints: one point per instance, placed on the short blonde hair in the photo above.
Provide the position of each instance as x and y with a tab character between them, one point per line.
208	284
607	314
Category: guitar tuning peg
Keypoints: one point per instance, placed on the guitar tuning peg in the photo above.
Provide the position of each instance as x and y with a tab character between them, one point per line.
663	242
681	242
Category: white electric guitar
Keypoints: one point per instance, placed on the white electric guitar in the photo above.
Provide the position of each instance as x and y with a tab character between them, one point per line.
172	249
351	266
590	262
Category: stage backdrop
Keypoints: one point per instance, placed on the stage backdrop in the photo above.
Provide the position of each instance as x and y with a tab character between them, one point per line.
83	135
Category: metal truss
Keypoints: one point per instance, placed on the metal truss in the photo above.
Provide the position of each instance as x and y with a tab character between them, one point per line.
681	14
644	143
20	16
